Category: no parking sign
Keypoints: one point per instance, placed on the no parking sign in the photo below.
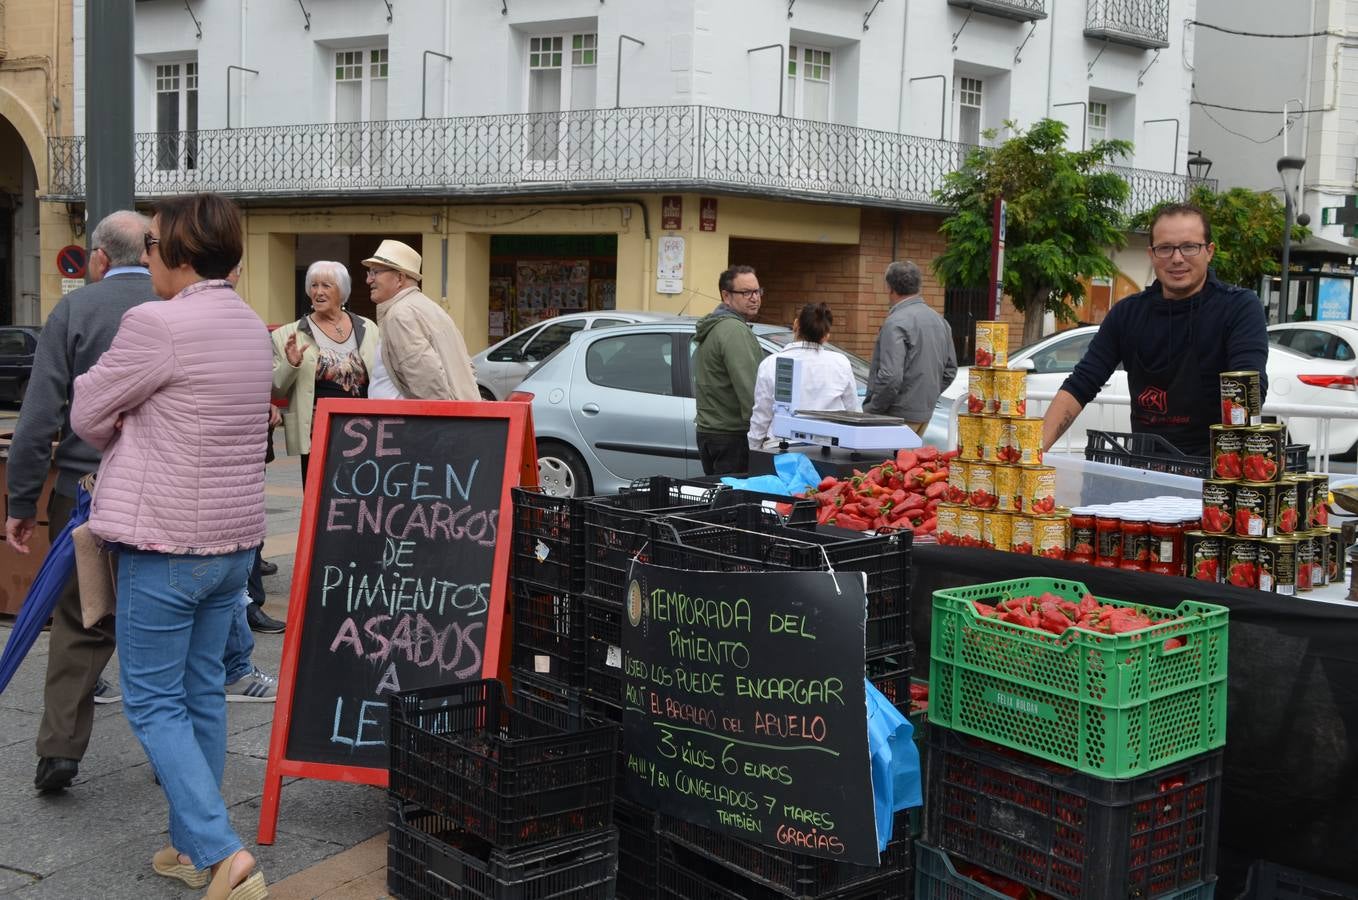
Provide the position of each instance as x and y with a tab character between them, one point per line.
71	261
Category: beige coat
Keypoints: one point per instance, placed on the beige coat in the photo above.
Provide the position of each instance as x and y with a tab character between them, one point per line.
297	384
423	350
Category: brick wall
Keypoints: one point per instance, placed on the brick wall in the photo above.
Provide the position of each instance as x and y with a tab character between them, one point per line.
847	278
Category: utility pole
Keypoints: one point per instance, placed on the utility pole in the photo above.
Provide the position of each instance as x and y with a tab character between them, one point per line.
108	108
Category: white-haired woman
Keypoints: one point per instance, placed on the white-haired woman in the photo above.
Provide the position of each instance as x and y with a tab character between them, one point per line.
327	353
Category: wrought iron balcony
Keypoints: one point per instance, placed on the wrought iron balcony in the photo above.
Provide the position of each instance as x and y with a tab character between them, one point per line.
1136	23
693	148
1149	187
1019	10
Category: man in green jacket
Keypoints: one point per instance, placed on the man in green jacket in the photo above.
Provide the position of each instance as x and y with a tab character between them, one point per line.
725	365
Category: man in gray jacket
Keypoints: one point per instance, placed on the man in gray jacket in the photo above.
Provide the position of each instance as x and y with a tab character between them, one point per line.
914	358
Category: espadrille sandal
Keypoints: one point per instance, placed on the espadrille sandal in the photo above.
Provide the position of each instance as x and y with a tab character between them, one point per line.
166	862
252	888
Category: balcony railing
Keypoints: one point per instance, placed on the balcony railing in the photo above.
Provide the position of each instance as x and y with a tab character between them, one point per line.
1137	23
649	148
1019	10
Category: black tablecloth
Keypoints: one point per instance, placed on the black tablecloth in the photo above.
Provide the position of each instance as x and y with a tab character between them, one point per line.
1290	791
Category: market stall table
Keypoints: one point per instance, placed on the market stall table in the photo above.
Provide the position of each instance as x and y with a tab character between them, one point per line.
1291	771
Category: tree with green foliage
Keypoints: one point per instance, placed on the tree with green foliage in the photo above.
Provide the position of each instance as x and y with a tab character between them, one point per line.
1063	217
1247	227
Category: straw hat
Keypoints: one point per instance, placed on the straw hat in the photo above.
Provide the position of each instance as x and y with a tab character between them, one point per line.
398	256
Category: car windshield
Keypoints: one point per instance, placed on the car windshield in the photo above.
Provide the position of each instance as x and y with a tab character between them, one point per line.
859	365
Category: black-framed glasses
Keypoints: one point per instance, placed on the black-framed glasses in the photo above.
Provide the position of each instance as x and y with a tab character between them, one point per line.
149	241
756	292
1187	251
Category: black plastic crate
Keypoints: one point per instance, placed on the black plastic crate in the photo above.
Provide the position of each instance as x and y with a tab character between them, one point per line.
549	632
1270	881
937	878
548	540
1069	834
789	874
603	651
884	558
1154	453
685	874
637	849
430	858
460	751
891	674
547	700
615	528
750	516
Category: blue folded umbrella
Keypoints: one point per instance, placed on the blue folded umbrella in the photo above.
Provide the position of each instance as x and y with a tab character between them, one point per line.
57	567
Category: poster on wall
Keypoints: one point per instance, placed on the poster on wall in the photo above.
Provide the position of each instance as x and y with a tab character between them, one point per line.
501	302
1334	299
548	287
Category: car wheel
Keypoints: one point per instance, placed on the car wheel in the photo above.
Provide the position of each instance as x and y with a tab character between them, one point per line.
485	393
561	471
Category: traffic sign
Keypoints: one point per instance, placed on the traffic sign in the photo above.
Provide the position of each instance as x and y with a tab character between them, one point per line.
71	261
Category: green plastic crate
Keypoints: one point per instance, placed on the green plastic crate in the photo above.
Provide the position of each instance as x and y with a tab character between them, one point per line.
1109	705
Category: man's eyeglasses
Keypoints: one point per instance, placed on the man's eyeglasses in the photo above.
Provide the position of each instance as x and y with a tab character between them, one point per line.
149	241
1187	251
746	295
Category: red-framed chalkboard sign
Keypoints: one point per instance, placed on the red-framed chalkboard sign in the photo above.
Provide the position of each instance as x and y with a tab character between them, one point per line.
399	579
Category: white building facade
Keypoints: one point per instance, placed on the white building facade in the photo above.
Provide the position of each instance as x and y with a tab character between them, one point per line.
811	121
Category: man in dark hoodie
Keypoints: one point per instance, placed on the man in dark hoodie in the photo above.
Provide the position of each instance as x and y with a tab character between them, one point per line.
725	365
1174	338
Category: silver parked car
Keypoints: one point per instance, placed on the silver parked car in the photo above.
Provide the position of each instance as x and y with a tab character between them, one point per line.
616	404
501	367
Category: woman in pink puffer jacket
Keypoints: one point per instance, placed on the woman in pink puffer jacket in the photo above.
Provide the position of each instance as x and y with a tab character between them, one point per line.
179	407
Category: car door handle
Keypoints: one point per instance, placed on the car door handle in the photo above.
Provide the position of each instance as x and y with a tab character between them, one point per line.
590	409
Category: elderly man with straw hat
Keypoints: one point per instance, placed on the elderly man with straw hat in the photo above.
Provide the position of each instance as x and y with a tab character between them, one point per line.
421	352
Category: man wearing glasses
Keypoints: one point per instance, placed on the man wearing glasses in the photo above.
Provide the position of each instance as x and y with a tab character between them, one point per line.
1174	339
725	365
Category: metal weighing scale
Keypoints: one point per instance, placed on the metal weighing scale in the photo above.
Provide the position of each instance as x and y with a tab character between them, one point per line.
854	431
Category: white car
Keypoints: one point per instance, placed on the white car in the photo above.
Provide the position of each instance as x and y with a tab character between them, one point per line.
500	367
1293	378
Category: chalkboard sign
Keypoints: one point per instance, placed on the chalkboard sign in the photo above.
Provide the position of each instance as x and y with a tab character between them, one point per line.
745	709
399	579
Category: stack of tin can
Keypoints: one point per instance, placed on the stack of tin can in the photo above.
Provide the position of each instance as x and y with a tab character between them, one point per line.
1261	527
1000	495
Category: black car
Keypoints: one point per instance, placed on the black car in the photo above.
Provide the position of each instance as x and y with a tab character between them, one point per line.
18	343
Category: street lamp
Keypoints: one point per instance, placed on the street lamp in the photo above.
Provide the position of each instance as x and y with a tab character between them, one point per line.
1289	167
1198	165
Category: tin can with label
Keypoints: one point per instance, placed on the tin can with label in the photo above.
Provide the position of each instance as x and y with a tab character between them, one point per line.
1028	440
1278	565
1334	554
1256	509
1261	452
1241	561
1306	560
1218	507
1319	516
997	530
1241	398
981	391
1225	449
1202	551
1007	451
969	527
947	530
981	486
992	344
957	491
1007	490
1051	536
1037	487
1320	553
969	437
992	438
1303	484
1021	534
1011	392
1287	514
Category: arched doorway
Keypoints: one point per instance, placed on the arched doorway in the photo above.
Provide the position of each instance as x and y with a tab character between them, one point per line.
20	300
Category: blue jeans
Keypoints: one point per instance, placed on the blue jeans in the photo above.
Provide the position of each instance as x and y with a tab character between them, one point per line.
174	615
240	645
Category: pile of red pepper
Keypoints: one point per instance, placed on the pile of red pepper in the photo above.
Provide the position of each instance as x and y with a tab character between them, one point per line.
898	494
1052	613
998	883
